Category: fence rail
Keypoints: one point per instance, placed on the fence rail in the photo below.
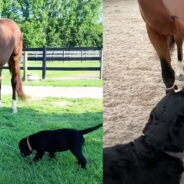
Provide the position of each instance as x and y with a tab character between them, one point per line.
62	54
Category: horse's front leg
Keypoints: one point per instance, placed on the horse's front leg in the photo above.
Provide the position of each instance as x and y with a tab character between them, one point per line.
168	75
161	45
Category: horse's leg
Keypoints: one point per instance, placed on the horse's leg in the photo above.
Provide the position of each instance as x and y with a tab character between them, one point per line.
13	83
16	78
179	67
161	45
0	86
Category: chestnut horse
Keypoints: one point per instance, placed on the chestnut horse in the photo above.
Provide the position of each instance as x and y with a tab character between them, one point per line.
11	51
165	26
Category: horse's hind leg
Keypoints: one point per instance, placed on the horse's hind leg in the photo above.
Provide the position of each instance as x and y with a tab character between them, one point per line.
16	79
161	45
13	83
179	66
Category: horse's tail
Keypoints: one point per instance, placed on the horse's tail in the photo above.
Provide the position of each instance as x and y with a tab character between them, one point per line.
179	26
19	89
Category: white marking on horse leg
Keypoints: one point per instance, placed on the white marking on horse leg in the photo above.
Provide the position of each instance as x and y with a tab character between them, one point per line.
14	107
179	69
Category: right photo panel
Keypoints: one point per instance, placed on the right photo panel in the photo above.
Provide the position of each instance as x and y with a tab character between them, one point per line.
143	95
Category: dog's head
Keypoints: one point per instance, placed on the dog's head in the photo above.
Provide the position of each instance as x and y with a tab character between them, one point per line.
165	127
23	147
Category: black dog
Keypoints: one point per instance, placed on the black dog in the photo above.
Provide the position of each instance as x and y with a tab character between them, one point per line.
56	141
156	156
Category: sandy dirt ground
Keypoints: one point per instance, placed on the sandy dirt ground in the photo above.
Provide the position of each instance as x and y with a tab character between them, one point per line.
62	92
132	74
132	77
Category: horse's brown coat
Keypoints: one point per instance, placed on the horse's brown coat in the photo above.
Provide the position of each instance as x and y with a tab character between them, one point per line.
175	7
10	51
10	40
164	20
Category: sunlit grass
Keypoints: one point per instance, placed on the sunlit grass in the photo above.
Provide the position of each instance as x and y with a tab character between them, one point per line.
45	114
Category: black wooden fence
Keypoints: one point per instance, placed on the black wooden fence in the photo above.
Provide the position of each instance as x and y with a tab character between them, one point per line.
64	54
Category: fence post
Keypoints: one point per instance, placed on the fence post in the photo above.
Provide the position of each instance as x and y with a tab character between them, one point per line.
44	63
101	64
25	67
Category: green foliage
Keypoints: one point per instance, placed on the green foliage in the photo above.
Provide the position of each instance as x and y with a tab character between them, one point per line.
56	22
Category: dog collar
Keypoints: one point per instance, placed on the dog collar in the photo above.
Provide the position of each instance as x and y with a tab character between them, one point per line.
178	155
172	87
28	144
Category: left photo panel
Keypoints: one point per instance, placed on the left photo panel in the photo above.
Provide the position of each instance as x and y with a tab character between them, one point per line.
51	92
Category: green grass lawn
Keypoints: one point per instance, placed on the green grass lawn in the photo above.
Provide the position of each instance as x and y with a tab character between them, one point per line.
45	114
66	63
62	78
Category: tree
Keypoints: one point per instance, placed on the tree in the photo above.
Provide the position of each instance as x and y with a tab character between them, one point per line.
56	22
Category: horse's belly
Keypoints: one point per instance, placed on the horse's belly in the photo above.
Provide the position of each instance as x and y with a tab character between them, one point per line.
4	58
156	15
175	7
3	62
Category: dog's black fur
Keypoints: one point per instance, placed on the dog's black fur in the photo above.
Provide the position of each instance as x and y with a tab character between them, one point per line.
56	141
149	159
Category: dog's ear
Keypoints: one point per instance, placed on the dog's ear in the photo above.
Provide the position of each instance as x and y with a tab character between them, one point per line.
176	132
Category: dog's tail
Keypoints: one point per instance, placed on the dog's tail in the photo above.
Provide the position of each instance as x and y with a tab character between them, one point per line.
88	130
